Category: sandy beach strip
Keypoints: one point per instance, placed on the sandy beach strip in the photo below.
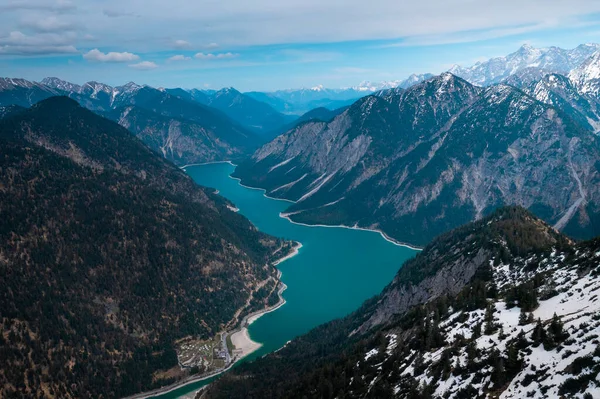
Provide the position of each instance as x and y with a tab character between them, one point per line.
206	163
286	216
341	226
295	251
243	343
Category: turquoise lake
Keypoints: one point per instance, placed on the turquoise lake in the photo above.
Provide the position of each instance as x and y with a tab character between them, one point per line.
336	270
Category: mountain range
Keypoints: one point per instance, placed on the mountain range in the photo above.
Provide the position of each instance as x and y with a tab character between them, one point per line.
417	162
551	59
111	257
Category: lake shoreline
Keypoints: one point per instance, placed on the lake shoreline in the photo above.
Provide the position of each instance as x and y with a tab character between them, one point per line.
341	226
243	330
206	163
287	217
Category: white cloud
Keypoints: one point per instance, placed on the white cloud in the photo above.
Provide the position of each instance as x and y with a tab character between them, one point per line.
59	6
179	57
18	43
99	56
144	65
217	56
181	44
42	5
211	46
37	50
242	22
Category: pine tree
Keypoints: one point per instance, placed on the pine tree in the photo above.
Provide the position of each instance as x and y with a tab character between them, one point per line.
489	319
538	334
499	372
476	331
522	318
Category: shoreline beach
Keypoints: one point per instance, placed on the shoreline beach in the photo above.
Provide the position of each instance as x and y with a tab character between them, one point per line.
383	235
206	163
241	339
239	335
285	216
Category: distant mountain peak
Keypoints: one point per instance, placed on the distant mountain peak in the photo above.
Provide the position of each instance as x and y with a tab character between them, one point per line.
551	59
61	84
131	86
586	77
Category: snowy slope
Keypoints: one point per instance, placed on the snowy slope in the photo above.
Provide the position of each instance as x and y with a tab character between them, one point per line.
565	364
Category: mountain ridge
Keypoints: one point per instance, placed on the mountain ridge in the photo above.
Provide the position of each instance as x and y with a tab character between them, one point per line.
410	158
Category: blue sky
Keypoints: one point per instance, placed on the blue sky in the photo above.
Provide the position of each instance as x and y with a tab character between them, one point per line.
275	44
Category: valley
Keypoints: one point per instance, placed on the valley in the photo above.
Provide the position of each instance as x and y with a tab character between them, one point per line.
333	273
428	237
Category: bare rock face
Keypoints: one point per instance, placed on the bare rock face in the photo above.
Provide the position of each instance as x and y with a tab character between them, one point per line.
182	141
451	261
418	162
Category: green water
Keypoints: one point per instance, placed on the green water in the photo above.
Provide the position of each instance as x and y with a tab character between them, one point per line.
336	270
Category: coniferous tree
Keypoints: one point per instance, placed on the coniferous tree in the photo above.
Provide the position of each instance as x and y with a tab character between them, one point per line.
489	319
538	335
522	318
498	373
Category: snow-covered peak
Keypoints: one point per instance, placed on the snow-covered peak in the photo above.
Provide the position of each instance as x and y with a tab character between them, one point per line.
372	87
551	59
587	76
317	88
60	84
94	88
129	87
12	83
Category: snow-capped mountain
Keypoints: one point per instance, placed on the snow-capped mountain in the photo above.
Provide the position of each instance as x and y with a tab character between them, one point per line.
560	92
23	92
586	77
171	122
416	162
551	59
371	87
103	96
60	84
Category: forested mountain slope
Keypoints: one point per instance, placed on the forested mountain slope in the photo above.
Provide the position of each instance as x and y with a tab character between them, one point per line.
108	255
